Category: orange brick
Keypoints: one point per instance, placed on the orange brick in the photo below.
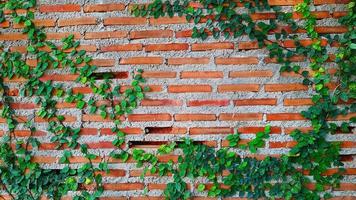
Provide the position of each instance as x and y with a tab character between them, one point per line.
284	117
77	21
218	102
188	61
13	36
5	24
255	102
151	34
297	102
248	45
123	186
212	46
39	22
141	60
104	7
253	129
128	131
331	29
59	36
210	130
122	47
165	130
161	102
284	2
288	144
106	34
238	88
320	2
237	61
168	20
201	74
167	47
240	116
159	74
60	8
247	74
124	21
195	117
287	87
189	88
150	117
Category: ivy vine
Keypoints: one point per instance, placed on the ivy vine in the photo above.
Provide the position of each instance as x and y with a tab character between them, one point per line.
226	173
284	177
21	177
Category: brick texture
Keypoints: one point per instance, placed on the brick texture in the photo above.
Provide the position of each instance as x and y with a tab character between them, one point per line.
201	89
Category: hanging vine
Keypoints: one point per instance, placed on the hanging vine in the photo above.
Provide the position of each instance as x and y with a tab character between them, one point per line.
226	173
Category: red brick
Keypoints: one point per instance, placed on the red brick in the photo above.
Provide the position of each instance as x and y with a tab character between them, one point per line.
331	29
167	47
248	45
122	47
103	62
210	130
284	2
106	34
161	102
60	8
149	117
248	74
39	22
124	21
141	60
194	117
77	21
288	144
297	102
97	118
284	117
240	117
168	20
128	131
238	88
189	88
165	130
5	24
123	186
59	36
202	74
317	14
212	46
253	129
188	61
263	16
13	36
255	102
151	34
320	2
237	61
104	7
159	74
287	87
210	102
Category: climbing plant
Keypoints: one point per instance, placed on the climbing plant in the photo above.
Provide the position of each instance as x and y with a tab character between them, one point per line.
226	173
20	176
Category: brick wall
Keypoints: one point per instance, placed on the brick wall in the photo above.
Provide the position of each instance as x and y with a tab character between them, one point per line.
201	89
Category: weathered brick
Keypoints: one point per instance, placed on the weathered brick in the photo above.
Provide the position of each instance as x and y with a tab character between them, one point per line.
240	117
188	61
201	74
238	88
141	60
122	47
60	8
287	87
167	47
124	21
109	7
77	21
237	61
150	117
248	74
212	46
255	102
194	117
106	34
210	102
189	88
151	34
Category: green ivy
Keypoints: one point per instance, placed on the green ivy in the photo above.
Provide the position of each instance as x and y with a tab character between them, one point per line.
24	179
283	177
